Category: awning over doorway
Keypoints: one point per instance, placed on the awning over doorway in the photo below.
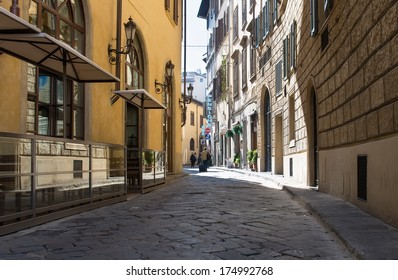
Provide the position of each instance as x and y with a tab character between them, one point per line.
26	42
10	23
140	98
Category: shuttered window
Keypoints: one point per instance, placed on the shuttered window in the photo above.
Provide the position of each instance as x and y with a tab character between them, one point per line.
313	17
278	78
293	45
275	12
286	57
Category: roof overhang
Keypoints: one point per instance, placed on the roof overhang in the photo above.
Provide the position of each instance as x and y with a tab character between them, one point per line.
140	98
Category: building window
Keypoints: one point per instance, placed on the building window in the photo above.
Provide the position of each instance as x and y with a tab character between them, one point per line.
63	20
167	4
56	112
135	66
244	12
236	77
292	120
175	11
59	114
275	11
192	118
235	24
244	67
293	46
253	130
313	17
286	57
319	11
192	144
252	62
278	78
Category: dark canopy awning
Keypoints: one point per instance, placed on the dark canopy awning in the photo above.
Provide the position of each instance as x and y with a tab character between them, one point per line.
140	98
10	23
25	41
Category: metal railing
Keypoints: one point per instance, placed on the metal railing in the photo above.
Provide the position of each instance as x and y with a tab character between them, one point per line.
43	175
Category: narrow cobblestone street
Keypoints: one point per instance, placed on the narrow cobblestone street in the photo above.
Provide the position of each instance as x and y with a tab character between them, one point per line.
211	215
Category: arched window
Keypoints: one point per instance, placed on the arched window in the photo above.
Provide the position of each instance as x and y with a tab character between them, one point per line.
64	20
192	145
135	66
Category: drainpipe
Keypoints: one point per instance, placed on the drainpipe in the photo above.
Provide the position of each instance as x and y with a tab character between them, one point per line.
184	112
15	8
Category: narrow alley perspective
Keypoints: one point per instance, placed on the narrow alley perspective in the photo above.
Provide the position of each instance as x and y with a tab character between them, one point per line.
214	215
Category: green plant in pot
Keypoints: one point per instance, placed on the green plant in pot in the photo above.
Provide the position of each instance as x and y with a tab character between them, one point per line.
237	160
254	159
249	157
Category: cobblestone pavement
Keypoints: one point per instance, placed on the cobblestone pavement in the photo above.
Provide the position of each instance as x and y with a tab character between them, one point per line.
211	215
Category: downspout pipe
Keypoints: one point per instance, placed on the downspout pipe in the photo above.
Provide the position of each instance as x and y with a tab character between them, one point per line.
184	112
118	38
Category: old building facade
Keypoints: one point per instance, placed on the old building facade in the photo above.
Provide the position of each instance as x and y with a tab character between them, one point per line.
312	86
82	124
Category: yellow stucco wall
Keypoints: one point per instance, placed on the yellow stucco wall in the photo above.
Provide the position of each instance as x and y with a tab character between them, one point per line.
161	41
10	88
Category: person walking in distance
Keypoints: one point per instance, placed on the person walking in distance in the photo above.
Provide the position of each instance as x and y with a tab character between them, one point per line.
193	159
204	158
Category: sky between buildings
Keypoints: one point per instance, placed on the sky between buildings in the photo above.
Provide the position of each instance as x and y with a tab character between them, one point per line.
196	38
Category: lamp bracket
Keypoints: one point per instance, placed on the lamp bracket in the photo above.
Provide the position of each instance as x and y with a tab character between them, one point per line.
114	54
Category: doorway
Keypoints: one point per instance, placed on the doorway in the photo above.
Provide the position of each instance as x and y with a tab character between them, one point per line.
313	149
132	143
278	144
267	133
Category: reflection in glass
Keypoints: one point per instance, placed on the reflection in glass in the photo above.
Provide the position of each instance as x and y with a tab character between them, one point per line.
65	32
33	13
48	22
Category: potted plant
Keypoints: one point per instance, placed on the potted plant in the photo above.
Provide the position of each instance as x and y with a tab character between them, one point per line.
237	129
230	133
254	159
249	156
237	160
